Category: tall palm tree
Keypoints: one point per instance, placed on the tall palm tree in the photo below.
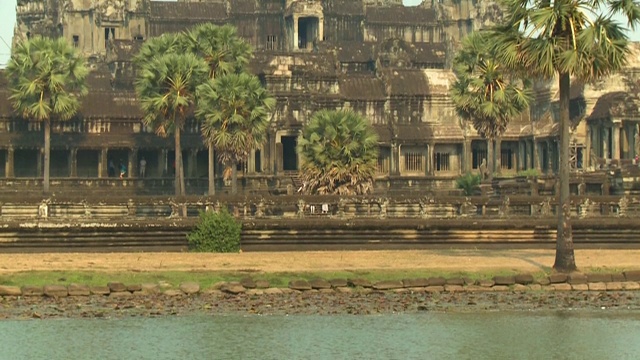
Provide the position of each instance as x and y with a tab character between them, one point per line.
484	93
565	38
47	77
225	52
339	151
235	111
166	87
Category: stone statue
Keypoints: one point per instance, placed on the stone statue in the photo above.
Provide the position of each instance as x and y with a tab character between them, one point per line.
484	171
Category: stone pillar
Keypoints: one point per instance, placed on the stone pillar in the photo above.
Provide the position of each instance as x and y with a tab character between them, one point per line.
162	162
430	158
320	29
535	152
73	162
8	166
605	143
133	163
615	143
295	32
549	157
522	149
103	170
497	153
586	155
468	156
192	165
251	163
279	158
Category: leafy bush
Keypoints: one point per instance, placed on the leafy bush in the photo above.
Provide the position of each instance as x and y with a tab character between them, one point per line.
468	182
529	173
216	232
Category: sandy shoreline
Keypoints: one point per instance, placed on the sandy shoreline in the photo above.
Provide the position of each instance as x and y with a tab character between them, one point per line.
438	260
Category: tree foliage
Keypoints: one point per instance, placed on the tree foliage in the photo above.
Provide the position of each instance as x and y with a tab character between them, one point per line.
339	152
216	232
235	112
47	77
565	38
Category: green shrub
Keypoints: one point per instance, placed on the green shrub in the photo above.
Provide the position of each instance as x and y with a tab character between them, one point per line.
468	182
529	173
216	232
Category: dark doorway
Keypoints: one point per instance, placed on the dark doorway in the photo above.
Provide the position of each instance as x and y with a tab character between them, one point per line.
117	160
26	162
3	162
152	168
59	166
307	32
289	155
202	161
258	161
87	163
171	159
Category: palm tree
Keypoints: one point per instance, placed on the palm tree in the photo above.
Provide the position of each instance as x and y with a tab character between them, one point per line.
565	38
339	151
47	77
235	111
483	93
225	52
166	87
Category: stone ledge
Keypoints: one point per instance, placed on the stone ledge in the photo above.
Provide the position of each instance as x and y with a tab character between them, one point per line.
573	282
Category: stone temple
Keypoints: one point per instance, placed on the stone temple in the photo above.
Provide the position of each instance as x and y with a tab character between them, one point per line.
386	61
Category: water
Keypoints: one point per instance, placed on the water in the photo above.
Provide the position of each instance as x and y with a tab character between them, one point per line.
517	335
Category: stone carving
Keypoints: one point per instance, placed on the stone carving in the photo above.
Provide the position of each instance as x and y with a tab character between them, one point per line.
504	207
623	206
109	10
545	207
484	171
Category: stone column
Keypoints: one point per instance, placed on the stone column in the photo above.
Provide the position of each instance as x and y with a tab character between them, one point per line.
295	32
605	143
393	165
8	166
251	166
133	163
468	156
73	162
522	149
279	158
103	171
498	156
586	155
162	162
615	143
192	165
535	152
550	156
430	158
320	29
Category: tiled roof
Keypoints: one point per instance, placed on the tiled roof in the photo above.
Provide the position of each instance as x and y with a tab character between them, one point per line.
616	104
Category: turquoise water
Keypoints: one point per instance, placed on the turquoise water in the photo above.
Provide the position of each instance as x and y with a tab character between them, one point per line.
494	335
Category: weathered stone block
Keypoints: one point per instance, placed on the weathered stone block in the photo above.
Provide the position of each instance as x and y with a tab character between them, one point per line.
618	277
345	290
78	290
520	287
434	288
598	278
557	278
437	281
55	291
359	282
388	285
599	286
562	287
630	285
524	279
6	290
632	275
134	287
300	285
262	284
577	278
504	280
614	286
31	290
336	283
171	293
535	287
272	291
255	291
453	288
116	287
414	283
544	281
500	288
248	283
319	284
190	288
99	290
486	283
580	287
455	281
150	288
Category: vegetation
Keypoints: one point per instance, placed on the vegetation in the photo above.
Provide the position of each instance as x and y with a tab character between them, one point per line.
339	151
468	183
483	92
216	232
166	87
529	173
234	109
46	77
576	39
225	53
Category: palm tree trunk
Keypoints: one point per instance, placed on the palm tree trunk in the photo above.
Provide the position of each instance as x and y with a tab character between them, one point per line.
212	179
179	175
234	177
47	155
490	158
565	258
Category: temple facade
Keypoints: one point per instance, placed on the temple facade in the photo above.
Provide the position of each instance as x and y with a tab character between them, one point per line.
389	62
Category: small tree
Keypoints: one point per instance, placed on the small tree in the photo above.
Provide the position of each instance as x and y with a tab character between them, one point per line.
339	151
47	77
216	232
468	183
